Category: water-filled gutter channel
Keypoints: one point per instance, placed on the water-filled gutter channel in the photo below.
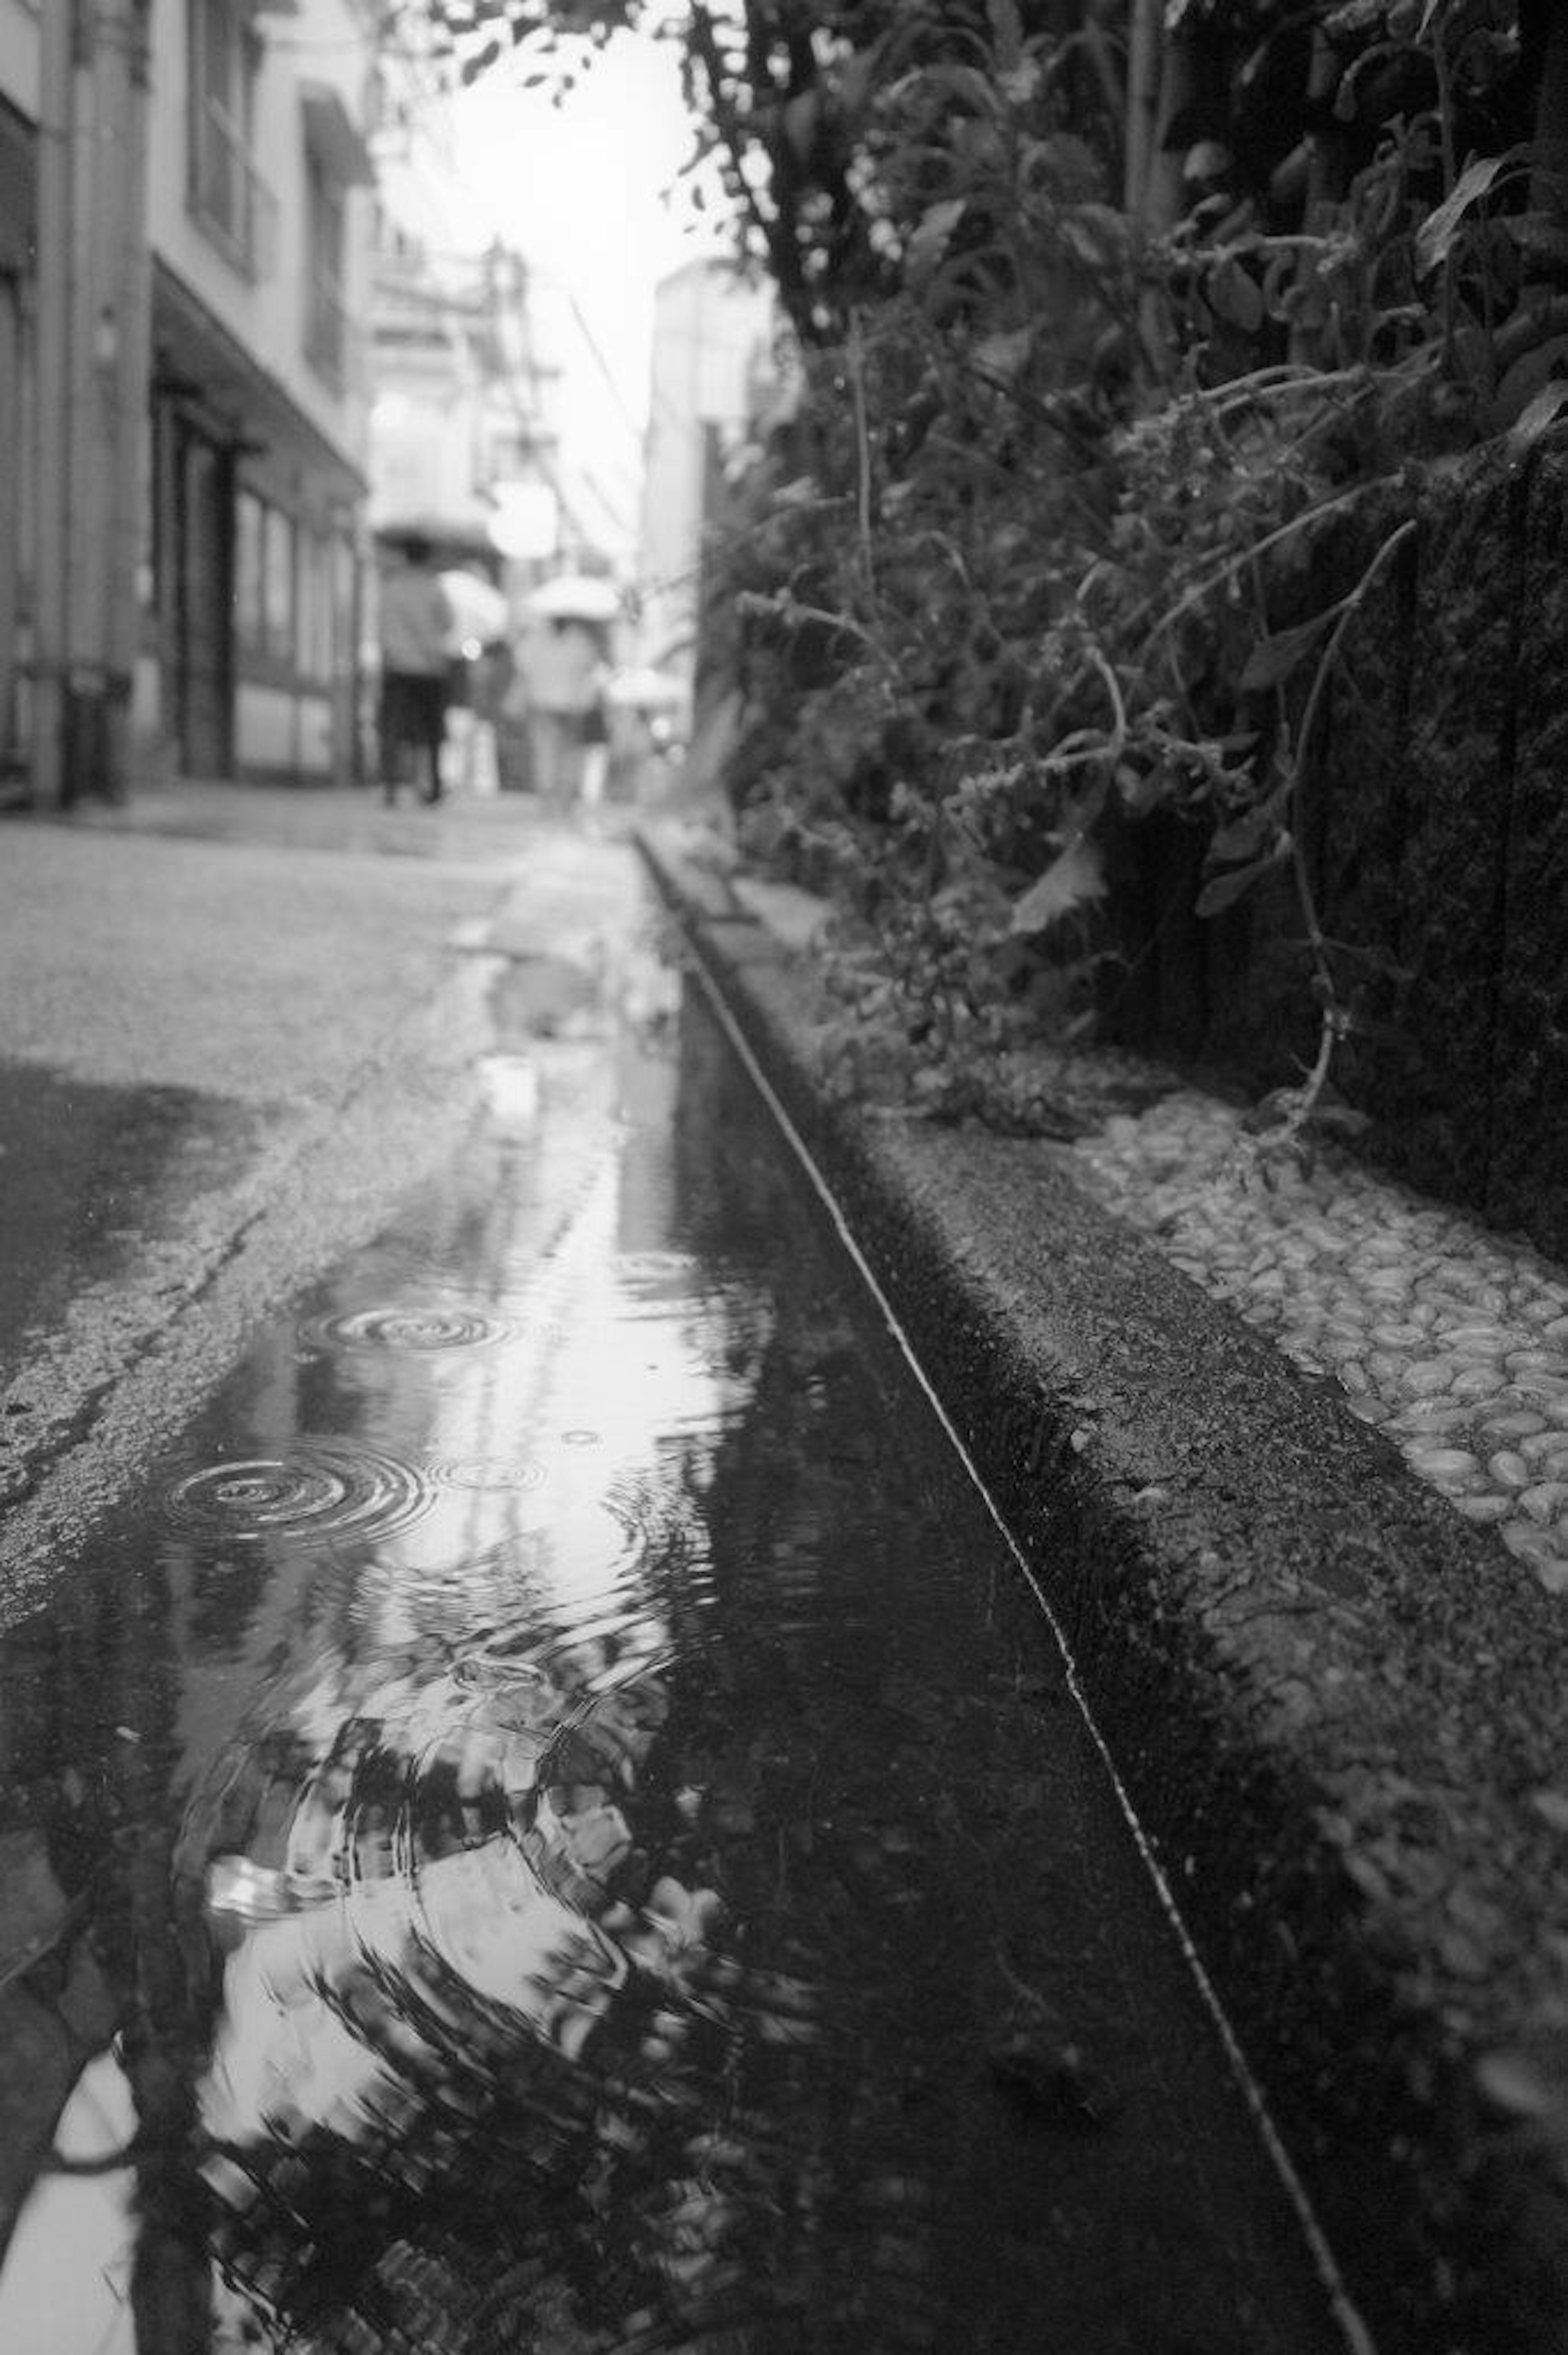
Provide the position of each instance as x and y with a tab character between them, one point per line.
555	1820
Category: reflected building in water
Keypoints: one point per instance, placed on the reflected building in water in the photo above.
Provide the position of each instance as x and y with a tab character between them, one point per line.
336	1865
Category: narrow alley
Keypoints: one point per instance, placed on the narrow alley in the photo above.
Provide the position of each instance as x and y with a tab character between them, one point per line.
539	1809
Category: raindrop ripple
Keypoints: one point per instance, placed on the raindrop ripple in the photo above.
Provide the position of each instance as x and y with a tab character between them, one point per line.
420	1331
466	1472
315	1489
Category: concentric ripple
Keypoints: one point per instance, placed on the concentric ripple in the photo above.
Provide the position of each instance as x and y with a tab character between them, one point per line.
478	1473
656	1266
314	1490
420	1330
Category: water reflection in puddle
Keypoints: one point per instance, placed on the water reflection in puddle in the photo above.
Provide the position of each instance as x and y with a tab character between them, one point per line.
545	1830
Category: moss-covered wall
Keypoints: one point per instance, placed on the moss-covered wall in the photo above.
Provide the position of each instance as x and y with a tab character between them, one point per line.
1435	823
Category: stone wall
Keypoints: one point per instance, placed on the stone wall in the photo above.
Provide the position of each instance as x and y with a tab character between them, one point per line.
1436	823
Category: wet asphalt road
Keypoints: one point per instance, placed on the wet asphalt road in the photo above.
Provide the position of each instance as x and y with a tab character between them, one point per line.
235	1025
532	1810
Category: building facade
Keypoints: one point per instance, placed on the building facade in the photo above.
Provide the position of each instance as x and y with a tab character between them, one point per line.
463	430
184	387
260	209
18	243
713	371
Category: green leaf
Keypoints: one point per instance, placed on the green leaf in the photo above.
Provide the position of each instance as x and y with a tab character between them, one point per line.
1097	234
1071	881
1223	890
929	240
1282	284
1540	414
1538	371
1234	296
1273	659
1244	837
1435	236
1005	353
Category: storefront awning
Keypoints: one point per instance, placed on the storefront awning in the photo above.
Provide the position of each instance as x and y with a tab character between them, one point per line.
199	361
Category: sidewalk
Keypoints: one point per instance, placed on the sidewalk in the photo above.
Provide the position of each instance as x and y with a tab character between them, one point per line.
236	1026
1336	1705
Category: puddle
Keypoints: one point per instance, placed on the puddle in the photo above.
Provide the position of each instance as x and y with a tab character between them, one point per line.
550	1825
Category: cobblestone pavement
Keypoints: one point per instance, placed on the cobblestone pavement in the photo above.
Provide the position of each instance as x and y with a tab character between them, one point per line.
1452	1339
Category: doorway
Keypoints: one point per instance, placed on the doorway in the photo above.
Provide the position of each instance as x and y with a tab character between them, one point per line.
203	601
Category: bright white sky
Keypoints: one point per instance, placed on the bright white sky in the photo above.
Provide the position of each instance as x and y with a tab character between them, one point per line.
578	190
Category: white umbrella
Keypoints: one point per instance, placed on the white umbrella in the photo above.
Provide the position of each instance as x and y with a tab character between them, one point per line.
479	612
646	690
576	597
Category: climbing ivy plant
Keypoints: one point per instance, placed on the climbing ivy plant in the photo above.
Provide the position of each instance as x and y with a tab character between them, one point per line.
1105	313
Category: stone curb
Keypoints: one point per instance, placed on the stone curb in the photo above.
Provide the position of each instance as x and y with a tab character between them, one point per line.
1337	1709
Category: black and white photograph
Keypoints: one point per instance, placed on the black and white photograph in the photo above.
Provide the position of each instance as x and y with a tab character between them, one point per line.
783	1178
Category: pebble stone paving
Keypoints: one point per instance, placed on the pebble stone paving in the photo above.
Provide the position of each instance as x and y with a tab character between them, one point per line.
1450	1339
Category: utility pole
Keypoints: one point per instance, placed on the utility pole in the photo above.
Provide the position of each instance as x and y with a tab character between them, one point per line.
59	33
127	236
94	297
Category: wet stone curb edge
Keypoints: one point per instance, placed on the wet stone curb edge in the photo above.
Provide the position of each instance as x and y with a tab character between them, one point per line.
1338	1709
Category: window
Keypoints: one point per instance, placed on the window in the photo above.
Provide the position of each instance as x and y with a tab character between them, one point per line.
277	586
263	582
336	160
249	522
228	195
315	657
326	318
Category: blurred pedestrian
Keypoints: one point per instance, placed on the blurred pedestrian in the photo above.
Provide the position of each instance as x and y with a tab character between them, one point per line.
416	623
593	733
561	667
488	673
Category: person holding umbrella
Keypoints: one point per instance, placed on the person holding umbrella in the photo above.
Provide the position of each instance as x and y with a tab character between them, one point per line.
416	622
562	667
478	672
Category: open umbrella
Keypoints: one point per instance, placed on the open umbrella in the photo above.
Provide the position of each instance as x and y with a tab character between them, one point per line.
576	597
479	612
